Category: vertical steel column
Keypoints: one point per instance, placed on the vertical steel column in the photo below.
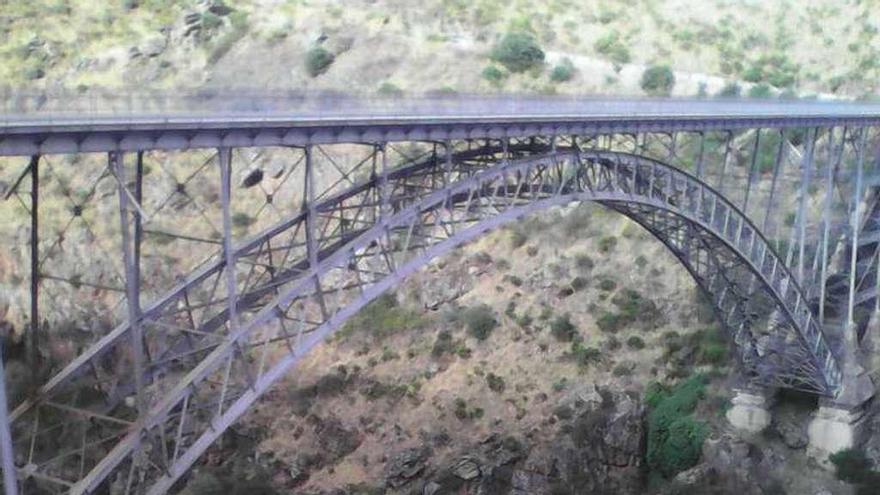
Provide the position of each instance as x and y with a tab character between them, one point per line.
721	178
225	158
132	281
776	166
700	163
752	168
826	220
806	175
856	222
33	336
311	228
10	483
138	225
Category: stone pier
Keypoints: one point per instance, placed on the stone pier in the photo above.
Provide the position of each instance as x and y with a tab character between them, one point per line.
751	410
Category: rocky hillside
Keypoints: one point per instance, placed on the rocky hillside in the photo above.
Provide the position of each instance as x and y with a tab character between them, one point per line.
388	46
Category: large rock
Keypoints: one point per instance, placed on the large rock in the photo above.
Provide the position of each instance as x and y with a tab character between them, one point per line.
600	450
406	465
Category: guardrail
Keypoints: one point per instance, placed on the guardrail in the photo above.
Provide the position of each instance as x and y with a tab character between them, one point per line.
17	105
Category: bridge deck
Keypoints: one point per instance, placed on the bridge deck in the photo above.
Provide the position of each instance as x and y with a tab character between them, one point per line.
47	126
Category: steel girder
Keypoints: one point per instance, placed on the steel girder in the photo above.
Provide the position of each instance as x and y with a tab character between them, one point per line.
346	250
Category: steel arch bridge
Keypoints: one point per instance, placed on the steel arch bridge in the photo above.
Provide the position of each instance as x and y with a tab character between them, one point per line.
771	207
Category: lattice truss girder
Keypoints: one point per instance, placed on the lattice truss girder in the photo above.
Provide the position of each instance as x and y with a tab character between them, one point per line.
387	213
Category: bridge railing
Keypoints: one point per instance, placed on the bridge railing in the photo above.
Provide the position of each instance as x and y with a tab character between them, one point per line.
20	106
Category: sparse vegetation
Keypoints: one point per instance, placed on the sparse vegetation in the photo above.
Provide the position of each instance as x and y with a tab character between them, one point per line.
658	80
480	321
675	438
495	383
562	72
381	318
853	466
613	47
563	329
518	52
318	60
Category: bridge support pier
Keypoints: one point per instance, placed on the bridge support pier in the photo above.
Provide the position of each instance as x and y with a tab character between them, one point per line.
835	427
751	409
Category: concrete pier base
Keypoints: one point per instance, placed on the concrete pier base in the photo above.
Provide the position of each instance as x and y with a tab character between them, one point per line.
751	410
833	429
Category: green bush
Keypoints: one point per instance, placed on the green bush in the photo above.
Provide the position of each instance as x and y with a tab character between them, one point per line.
562	72
495	383
675	438
563	329
730	90
383	317
584	262
211	21
609	322
711	345
607	244
480	321
388	88
607	285
518	239
761	90
658	80
635	342
610	45
585	356
518	52
493	74
852	466
579	283
622	370
318	60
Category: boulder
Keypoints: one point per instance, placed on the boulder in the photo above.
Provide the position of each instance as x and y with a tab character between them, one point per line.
466	468
529	483
154	46
406	465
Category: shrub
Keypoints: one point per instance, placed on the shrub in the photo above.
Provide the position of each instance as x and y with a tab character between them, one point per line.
480	321
584	262
318	60
562	72
607	284
611	46
493	74
563	329
675	439
711	346
495	382
518	52
622	370
443	344
388	88
578	283
658	80
635	342
761	90
609	322
462	412
584	356
240	219
607	244
211	21
382	318
852	466
518	239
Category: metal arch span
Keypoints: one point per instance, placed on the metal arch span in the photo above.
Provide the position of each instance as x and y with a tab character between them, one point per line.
335	275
